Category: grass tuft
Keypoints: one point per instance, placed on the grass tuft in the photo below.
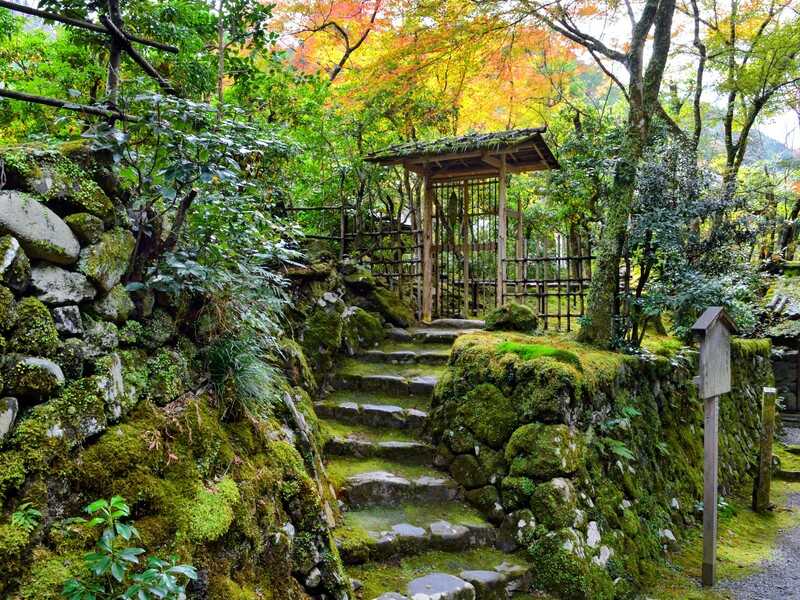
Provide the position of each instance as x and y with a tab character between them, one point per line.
530	351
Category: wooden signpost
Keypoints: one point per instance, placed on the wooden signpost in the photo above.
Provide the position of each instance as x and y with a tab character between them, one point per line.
763	479
713	329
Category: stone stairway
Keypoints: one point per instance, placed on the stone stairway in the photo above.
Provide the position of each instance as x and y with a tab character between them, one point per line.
406	530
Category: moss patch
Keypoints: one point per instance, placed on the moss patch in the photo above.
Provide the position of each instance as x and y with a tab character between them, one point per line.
530	351
512	317
35	332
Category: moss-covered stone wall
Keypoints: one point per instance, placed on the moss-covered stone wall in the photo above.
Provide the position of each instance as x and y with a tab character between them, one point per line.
103	392
590	460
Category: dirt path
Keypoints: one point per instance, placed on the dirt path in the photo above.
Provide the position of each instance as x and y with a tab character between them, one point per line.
779	578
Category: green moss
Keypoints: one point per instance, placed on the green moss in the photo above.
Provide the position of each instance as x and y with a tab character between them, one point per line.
13	541
391	308
563	573
48	574
130	334
8	312
86	227
466	470
12	472
517	492
31	378
225	588
322	337
210	515
553	503
543	451
295	365
488	414
107	261
360	329
169	376
158	329
512	317
530	351
35	332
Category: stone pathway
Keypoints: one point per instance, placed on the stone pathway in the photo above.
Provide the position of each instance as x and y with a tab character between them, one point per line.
406	531
779	578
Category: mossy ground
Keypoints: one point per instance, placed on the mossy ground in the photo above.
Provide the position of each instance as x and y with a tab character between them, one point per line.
395	576
746	539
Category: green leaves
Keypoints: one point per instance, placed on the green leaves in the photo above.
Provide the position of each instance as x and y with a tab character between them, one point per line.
111	565
26	517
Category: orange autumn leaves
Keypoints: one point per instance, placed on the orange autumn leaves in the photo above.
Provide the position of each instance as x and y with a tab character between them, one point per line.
485	71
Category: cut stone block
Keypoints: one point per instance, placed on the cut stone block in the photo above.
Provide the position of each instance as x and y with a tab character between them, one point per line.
68	320
375	487
440	586
54	285
489	585
458	323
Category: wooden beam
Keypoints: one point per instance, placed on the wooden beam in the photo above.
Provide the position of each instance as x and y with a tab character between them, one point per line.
520	245
427	255
56	103
479	172
502	226
491	160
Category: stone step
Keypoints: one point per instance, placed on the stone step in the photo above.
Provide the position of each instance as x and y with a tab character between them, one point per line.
381	488
406	539
399	450
458	324
497	583
403	379
406	357
437	335
372	415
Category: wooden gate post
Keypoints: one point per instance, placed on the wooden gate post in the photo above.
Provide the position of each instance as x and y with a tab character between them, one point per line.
713	329
502	231
466	241
763	480
427	255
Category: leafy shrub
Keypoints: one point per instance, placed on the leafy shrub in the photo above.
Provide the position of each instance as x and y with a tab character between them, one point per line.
110	567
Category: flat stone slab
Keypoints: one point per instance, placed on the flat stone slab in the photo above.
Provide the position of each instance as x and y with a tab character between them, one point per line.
440	586
375	487
423	384
398	335
393	450
391	596
374	415
458	323
489	585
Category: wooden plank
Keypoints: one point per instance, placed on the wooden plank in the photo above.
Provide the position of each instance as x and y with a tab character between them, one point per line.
520	245
763	479
502	225
710	460
427	258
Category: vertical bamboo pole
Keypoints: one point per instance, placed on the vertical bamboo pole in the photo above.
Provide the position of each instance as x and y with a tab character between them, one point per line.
427	247
763	480
465	240
502	231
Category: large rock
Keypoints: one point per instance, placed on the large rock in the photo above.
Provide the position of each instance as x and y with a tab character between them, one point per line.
8	309
106	261
543	451
54	285
440	586
35	377
512	317
8	414
35	331
115	306
39	230
15	268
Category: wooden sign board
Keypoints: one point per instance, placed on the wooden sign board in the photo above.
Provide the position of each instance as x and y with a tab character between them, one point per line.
714	328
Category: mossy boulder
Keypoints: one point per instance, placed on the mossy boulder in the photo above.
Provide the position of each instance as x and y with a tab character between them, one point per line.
545	392
71	356
554	503
15	267
40	231
516	492
35	330
359	279
542	451
107	261
322	338
563	569
210	514
100	337
169	376
34	377
487	500
86	227
360	329
295	366
512	317
467	471
159	329
55	179
116	305
54	285
488	414
390	307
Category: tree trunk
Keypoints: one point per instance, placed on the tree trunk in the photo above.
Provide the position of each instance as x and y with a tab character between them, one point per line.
220	58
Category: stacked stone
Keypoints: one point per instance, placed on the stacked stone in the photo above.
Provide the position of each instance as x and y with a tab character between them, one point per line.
63	253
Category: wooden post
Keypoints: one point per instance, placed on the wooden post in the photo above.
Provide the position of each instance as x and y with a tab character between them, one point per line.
519	252
714	329
466	241
427	246
763	480
502	231
115	53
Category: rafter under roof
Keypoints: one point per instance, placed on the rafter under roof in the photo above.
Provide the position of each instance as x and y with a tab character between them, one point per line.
472	155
